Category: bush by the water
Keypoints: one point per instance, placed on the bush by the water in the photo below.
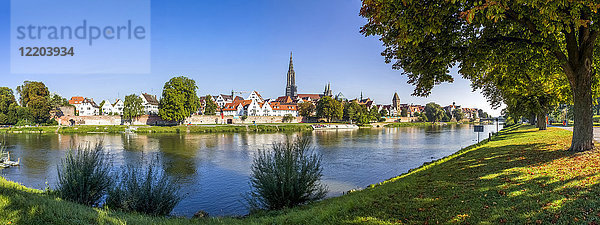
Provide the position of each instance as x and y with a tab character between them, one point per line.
286	176
84	177
148	191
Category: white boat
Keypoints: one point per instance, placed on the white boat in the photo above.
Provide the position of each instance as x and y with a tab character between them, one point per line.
334	126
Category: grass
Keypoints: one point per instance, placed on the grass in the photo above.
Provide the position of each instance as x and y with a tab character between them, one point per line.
523	176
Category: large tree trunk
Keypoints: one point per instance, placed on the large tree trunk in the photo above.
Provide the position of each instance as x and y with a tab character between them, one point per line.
577	65
583	133
541	121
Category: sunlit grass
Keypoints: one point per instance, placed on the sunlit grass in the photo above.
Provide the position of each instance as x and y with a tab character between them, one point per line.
523	176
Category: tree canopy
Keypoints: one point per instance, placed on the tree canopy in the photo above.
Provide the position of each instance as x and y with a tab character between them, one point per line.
306	109
434	112
210	107
329	108
132	107
179	99
427	38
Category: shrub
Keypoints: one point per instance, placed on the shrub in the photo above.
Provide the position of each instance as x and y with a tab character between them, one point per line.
288	118
287	176
148	191
84	177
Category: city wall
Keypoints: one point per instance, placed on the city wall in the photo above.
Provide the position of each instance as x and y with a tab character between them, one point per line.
156	120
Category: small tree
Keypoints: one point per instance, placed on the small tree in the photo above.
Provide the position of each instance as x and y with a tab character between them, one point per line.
306	109
287	176
210	107
458	114
329	108
132	107
288	118
179	99
384	112
84	177
433	112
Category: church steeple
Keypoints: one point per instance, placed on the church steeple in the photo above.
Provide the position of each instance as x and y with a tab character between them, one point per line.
290	88
396	101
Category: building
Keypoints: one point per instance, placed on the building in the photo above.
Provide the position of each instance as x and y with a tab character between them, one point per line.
328	91
254	95
222	99
252	107
341	97
396	101
117	107
84	106
309	97
107	108
150	104
291	89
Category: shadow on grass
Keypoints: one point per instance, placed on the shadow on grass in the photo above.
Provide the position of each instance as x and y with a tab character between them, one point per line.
519	178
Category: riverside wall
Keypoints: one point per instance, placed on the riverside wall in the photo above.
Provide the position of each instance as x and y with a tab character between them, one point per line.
156	120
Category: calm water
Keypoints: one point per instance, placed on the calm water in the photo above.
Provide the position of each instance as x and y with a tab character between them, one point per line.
213	168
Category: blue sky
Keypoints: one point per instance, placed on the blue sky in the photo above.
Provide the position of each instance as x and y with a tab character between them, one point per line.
245	46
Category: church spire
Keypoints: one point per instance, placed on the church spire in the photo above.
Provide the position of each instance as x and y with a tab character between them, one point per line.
290	88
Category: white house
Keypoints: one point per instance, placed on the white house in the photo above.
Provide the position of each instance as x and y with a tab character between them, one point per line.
107	108
254	95
282	109
117	107
84	106
222	99
150	104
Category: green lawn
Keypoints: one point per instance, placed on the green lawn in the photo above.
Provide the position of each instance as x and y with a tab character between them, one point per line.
522	176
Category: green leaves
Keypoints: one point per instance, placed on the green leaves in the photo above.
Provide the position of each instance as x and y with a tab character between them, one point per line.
132	107
179	99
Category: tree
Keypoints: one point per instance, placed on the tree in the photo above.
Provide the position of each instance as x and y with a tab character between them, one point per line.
426	38
434	112
404	112
374	115
384	112
34	95
210	107
179	99
101	104
306	109
56	101
329	108
30	90
352	111
132	107
40	109
288	118
458	114
8	106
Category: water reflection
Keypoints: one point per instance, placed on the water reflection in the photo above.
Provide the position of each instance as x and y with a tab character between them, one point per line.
213	169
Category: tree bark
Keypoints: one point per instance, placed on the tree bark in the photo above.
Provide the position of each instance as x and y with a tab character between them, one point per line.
541	121
532	119
583	133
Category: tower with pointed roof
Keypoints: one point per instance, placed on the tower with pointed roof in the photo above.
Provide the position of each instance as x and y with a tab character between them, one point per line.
291	89
396	101
328	91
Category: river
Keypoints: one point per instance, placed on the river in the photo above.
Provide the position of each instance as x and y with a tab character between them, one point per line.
214	169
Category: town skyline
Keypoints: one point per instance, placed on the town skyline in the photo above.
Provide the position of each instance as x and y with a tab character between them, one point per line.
325	39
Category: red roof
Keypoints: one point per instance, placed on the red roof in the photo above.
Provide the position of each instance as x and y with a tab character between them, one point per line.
76	100
283	106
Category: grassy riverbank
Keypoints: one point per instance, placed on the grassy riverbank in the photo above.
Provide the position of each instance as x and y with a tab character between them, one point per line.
522	176
83	129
